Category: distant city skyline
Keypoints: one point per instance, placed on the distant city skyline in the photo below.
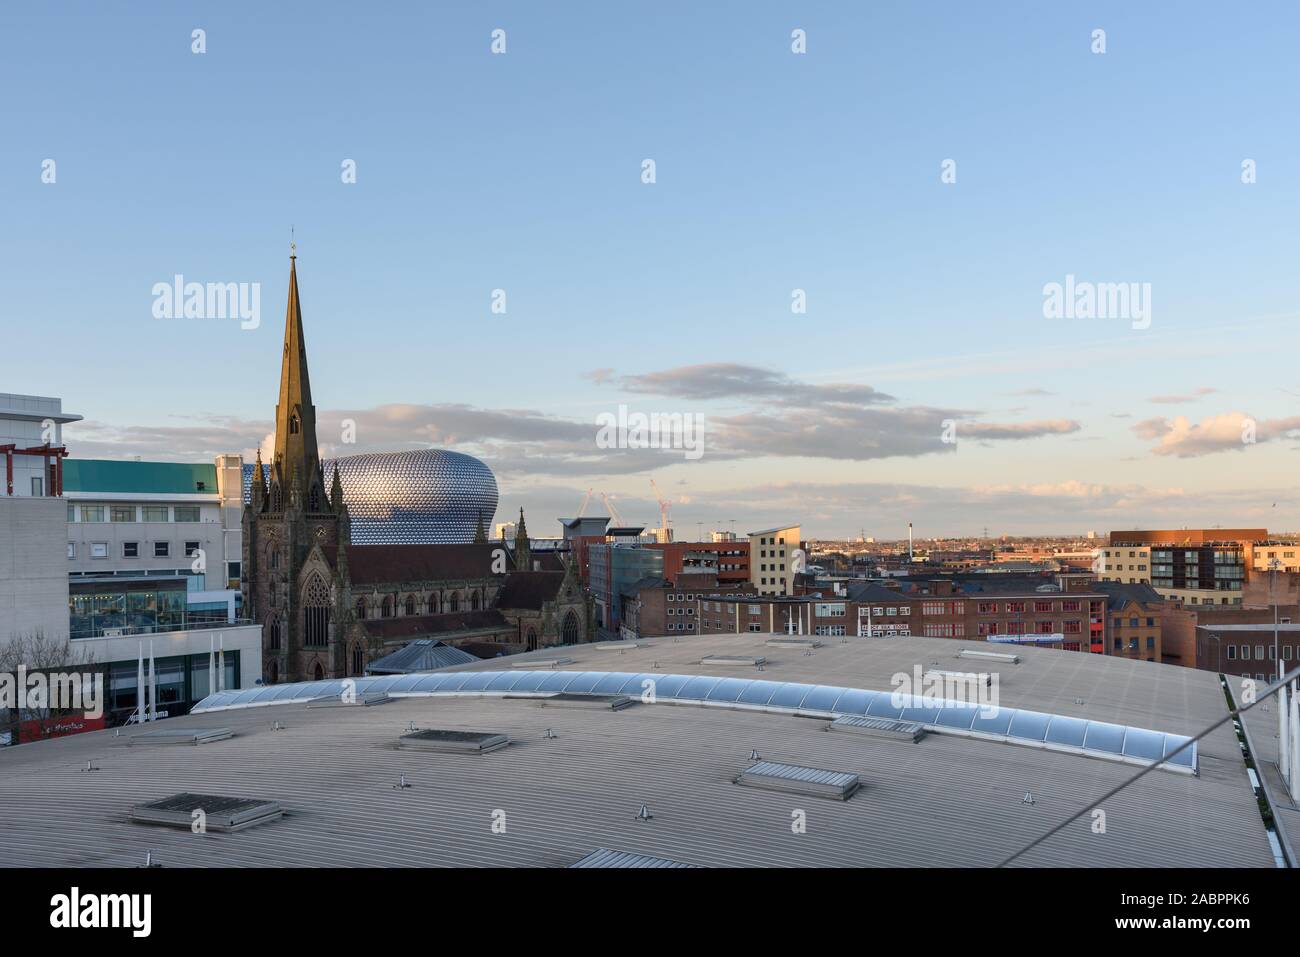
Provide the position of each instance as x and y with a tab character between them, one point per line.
781	179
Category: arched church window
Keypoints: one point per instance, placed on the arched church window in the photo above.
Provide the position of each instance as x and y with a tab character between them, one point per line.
433	604
316	613
453	603
293	425
361	608
570	633
410	604
473	601
386	609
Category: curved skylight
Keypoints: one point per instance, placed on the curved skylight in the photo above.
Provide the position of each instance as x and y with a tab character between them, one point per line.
1013	725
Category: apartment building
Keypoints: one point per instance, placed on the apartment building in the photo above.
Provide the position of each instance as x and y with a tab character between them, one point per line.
731	559
1196	566
775	557
1129	564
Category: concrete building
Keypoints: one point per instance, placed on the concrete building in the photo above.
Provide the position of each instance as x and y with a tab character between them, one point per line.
33	571
775	557
156	519
31	443
33	576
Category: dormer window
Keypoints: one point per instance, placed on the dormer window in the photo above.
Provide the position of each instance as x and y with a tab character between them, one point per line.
293	425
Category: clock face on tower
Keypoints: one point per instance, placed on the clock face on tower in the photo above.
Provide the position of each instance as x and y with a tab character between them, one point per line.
320	534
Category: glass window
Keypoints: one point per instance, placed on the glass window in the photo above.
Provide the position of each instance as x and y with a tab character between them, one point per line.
99	549
92	513
187	513
155	513
130	549
161	549
123	513
72	549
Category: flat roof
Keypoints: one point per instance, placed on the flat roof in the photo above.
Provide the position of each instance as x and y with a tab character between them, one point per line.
941	801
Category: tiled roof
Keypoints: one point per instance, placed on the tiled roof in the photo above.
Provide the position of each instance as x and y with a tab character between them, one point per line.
529	589
415	626
380	564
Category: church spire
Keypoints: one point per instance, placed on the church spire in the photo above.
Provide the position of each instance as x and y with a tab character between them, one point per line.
295	416
480	532
523	549
259	484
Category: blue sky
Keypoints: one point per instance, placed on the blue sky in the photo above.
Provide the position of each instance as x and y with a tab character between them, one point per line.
774	172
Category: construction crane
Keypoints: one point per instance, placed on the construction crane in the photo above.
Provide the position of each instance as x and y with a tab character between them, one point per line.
665	522
609	507
582	509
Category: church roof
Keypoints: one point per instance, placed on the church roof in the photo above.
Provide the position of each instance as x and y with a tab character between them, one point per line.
384	564
529	589
417	626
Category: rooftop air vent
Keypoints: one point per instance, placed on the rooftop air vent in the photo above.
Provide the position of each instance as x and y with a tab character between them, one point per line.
591	702
453	742
618	645
338	701
813	782
990	655
793	643
962	676
218	813
182	736
878	727
733	660
606	858
542	663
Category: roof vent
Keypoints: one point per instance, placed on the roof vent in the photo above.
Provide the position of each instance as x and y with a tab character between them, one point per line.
542	663
218	813
182	736
602	857
617	645
962	676
793	643
990	655
878	727
338	701
453	742
813	782
733	660
591	702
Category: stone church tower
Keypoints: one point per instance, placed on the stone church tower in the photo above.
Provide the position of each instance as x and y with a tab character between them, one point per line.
289	585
